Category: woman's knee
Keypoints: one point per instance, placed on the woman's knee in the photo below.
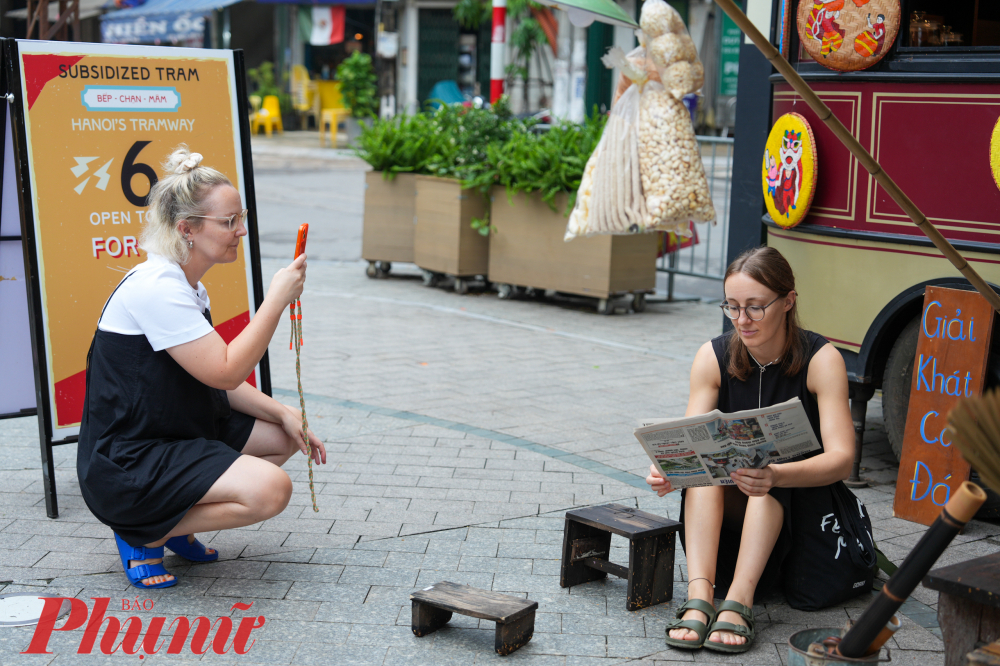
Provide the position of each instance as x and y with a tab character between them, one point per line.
274	493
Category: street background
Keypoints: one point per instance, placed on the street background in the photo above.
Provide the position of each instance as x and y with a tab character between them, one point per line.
459	430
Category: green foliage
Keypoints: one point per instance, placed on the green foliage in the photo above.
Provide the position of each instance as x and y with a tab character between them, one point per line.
470	14
265	83
469	133
483	225
404	144
524	39
358	85
548	162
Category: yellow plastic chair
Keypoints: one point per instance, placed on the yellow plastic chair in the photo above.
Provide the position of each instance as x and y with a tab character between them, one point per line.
333	110
269	116
305	99
255	103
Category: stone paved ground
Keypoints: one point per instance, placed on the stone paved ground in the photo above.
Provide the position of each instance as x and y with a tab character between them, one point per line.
460	429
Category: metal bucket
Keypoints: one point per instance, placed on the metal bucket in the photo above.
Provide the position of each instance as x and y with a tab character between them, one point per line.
798	646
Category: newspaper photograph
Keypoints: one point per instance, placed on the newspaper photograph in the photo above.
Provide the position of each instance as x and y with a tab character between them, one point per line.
704	450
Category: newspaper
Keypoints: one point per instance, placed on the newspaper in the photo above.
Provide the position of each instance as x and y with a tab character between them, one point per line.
704	450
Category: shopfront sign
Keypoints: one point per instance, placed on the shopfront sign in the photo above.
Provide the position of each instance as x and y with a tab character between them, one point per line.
91	125
950	364
729	57
170	28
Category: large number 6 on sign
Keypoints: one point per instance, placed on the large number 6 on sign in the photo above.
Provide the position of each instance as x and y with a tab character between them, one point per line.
131	168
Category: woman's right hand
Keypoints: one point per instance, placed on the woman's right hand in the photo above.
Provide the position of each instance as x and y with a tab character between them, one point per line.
287	283
658	483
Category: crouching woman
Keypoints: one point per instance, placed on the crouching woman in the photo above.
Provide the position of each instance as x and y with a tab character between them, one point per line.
173	440
739	539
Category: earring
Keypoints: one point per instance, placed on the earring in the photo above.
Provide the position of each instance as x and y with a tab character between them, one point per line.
190	243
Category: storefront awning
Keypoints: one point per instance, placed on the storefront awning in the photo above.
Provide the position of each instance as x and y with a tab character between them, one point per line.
169	7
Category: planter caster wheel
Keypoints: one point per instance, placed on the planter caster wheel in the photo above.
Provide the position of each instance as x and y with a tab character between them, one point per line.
638	302
383	268
461	286
605	306
371	270
431	278
506	292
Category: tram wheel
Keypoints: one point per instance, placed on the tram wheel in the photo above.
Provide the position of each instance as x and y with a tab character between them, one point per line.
896	384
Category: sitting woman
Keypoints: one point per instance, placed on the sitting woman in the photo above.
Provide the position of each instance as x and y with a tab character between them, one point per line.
766	360
173	440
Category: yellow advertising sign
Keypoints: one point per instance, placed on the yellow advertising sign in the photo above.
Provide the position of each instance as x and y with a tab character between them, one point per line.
99	120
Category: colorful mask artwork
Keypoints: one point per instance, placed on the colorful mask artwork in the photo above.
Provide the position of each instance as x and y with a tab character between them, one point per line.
848	35
995	153
789	170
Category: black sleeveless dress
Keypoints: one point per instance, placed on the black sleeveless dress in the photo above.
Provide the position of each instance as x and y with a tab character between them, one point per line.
153	439
764	388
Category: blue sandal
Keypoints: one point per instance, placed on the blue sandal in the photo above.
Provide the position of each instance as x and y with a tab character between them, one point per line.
194	551
140	572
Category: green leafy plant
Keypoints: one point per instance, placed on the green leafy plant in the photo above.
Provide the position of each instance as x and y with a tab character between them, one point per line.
483	225
549	162
265	83
470	14
358	85
404	144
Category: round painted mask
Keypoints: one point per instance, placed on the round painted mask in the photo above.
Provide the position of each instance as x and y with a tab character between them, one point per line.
789	170
848	35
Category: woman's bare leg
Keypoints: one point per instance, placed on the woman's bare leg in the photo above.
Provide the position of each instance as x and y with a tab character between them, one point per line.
253	489
761	527
703	507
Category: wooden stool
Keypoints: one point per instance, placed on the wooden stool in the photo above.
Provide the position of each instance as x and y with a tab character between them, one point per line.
515	617
587	543
968	605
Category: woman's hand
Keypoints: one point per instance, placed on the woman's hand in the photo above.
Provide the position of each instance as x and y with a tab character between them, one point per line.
658	483
754	482
287	283
291	423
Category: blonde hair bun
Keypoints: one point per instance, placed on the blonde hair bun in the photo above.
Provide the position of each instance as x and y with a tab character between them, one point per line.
182	161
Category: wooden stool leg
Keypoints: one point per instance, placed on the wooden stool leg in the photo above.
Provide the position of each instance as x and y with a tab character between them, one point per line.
571	574
428	619
512	635
650	571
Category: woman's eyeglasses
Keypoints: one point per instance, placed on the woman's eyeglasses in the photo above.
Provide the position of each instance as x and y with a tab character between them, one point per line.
755	312
232	221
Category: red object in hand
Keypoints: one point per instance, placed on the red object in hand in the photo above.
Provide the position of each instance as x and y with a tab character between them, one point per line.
300	242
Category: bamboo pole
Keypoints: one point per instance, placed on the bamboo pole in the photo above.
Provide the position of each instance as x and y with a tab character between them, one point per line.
859	152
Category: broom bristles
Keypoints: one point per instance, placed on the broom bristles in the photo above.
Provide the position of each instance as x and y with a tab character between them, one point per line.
975	428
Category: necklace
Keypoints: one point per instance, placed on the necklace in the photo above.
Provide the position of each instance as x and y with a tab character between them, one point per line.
760	377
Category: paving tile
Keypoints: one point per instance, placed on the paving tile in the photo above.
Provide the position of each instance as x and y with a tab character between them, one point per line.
303	572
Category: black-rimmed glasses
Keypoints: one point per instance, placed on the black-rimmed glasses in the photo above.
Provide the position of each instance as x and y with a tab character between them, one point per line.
233	220
755	312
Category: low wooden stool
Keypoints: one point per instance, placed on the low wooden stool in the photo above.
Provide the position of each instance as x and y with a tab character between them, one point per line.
515	617
587	544
968	605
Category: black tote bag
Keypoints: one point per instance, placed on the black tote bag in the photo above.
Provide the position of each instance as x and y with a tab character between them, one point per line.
832	557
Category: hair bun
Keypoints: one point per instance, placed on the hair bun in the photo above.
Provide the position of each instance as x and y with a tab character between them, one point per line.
182	161
193	160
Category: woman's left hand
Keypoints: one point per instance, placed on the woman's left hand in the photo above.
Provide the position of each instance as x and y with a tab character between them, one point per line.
754	482
291	423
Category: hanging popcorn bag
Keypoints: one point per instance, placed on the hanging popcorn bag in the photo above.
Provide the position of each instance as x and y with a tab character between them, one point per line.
610	199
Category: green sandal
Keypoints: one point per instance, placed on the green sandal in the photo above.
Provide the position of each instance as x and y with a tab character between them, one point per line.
746	632
700	628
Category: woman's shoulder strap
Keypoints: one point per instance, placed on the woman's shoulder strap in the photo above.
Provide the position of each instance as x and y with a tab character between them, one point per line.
720	345
814	342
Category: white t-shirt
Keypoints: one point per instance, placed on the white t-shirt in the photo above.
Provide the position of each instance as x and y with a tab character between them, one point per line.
157	301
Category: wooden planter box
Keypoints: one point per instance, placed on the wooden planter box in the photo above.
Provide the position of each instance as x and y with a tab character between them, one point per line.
444	241
528	250
389	218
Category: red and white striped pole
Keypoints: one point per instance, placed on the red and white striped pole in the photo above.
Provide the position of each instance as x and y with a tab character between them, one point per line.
497	40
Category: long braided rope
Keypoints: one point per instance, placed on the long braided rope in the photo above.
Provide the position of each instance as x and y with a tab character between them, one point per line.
295	310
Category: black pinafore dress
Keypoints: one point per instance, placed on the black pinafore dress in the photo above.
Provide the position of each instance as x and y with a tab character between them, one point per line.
153	439
765	388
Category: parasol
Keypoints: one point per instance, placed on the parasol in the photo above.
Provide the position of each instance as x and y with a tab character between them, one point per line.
584	12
